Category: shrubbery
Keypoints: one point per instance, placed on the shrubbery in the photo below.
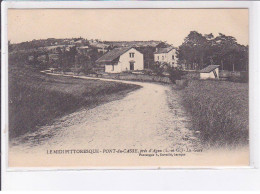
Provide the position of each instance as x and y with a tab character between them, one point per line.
158	68
175	74
242	78
162	69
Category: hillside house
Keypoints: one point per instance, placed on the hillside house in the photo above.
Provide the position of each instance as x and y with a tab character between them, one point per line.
122	59
55	49
83	50
210	72
101	47
167	55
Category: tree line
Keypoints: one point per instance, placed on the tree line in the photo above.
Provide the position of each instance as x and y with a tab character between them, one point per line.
198	51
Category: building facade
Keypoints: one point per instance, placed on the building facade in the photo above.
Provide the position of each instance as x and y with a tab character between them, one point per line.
210	72
166	55
122	59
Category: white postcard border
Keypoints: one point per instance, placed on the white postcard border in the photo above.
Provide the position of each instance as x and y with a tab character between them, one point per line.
150	178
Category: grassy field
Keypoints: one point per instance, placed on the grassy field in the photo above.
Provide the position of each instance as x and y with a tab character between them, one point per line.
219	110
36	99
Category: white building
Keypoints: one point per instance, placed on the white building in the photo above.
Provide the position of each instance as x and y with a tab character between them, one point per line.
83	50
210	72
122	59
167	55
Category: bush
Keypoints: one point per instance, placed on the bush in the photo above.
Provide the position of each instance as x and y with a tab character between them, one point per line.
191	75
175	74
242	77
158	68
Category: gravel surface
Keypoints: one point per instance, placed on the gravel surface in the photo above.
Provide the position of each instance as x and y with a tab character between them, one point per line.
150	117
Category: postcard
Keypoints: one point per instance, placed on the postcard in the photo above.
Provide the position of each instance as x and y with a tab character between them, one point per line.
128	88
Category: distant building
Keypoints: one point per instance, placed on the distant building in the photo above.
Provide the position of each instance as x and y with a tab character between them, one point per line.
122	59
53	57
80	42
136	44
101	47
167	55
210	72
83	50
56	48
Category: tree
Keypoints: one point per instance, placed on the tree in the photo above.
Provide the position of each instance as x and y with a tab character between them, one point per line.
66	58
84	64
193	50
229	54
198	51
35	61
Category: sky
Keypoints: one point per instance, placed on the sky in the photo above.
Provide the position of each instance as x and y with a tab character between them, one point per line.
171	25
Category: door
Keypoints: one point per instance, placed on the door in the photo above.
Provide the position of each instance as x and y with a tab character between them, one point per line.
132	66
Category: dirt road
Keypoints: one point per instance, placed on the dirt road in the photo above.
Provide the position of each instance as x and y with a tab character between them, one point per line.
149	118
146	118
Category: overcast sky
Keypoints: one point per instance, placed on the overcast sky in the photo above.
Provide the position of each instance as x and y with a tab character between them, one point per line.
171	25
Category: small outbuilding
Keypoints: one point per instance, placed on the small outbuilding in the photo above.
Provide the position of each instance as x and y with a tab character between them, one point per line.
210	72
122	59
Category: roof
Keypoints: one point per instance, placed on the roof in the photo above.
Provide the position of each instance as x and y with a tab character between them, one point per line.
209	68
99	45
163	50
83	47
55	46
113	54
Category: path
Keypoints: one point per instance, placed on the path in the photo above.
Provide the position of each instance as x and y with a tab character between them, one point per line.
150	117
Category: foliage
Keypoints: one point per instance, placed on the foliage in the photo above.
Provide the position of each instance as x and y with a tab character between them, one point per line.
148	53
198	51
242	77
175	74
36	44
67	58
94	55
84	64
20	59
159	68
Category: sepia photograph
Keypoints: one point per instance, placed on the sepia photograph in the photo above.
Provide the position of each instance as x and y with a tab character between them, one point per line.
128	88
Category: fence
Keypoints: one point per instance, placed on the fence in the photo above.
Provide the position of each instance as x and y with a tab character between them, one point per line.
138	77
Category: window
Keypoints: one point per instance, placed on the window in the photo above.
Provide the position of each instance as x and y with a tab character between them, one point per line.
162	57
173	57
131	55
